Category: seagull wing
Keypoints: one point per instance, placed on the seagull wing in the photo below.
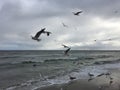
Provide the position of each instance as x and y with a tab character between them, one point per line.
38	34
79	12
66	51
65	46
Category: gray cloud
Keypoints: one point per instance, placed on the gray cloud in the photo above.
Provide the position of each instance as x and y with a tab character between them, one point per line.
19	19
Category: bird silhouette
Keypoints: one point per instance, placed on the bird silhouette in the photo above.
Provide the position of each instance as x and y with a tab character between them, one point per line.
36	37
77	13
91	75
64	25
71	77
66	51
65	46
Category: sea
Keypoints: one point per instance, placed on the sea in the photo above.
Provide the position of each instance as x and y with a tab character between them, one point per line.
33	69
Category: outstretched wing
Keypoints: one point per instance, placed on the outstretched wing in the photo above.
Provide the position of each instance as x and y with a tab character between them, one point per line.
77	13
65	46
66	51
39	33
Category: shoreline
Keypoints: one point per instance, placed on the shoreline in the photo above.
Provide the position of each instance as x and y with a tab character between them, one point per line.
98	83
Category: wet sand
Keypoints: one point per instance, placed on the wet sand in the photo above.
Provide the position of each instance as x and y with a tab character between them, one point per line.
98	83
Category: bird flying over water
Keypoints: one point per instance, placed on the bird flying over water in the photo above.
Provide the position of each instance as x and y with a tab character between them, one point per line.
77	13
36	37
66	51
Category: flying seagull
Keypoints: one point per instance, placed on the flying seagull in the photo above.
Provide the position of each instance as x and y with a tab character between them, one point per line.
66	51
77	13
64	25
36	37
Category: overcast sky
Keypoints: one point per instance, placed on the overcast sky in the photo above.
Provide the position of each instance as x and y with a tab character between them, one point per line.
100	20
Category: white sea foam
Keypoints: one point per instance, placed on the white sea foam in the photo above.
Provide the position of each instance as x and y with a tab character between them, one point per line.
81	74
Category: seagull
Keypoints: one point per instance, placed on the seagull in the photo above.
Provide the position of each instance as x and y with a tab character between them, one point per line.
72	78
107	74
77	13
66	51
36	37
34	65
91	75
110	83
65	46
64	25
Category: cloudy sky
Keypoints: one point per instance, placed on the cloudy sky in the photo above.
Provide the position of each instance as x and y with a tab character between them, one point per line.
100	20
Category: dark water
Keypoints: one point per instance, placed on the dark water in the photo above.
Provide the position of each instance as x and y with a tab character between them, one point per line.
29	70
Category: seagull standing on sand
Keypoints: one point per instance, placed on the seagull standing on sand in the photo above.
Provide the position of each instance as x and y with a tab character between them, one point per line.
71	77
77	13
91	75
107	74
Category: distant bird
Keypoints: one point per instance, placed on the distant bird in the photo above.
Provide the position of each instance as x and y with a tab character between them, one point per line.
111	78
91	75
36	37
77	13
34	65
66	51
64	25
65	46
71	77
100	75
107	74
110	83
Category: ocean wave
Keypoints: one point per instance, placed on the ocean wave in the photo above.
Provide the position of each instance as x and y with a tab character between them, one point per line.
106	62
104	56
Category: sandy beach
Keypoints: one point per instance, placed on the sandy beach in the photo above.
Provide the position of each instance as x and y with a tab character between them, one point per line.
98	83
